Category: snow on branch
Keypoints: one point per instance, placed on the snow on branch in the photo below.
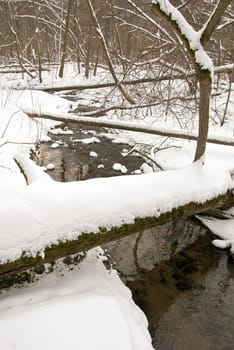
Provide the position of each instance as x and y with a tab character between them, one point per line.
191	37
30	170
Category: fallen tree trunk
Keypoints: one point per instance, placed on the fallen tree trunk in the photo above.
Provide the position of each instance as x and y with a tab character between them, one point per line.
180	134
9	272
81	87
93	212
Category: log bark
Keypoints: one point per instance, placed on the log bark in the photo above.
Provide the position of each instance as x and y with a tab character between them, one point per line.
10	272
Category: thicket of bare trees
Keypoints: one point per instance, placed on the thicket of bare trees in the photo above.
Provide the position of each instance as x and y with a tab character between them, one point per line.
133	43
131	32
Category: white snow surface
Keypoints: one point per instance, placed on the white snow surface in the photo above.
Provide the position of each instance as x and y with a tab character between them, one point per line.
33	101
120	167
87	308
18	132
54	145
93	154
88	140
223	228
50	166
59	131
38	209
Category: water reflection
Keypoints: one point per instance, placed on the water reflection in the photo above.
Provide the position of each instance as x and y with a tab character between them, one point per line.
144	250
72	159
184	285
201	318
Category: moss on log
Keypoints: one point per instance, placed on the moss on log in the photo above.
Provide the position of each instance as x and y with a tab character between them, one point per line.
89	240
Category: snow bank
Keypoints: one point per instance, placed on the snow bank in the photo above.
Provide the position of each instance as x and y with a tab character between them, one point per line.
33	100
223	229
18	132
87	308
120	167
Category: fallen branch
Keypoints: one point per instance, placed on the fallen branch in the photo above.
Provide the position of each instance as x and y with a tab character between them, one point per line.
81	87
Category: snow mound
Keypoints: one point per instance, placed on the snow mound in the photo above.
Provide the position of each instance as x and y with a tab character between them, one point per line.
120	167
87	308
223	229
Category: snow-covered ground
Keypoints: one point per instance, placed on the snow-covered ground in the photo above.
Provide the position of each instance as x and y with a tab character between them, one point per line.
84	308
91	298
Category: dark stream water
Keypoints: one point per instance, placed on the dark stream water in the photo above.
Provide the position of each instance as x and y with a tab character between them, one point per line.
184	285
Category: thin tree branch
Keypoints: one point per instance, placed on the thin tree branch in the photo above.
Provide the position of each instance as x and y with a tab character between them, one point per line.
214	20
107	54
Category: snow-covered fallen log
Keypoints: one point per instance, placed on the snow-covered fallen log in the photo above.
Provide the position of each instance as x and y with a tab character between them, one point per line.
130	126
47	220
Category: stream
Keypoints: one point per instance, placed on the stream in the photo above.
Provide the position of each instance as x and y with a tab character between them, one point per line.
184	285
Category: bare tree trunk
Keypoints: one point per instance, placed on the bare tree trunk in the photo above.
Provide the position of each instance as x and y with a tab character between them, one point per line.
228	99
39	56
214	20
65	38
87	59
204	112
96	61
